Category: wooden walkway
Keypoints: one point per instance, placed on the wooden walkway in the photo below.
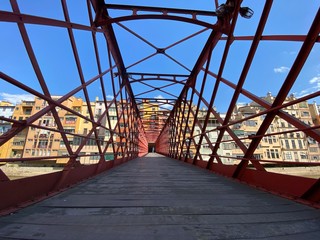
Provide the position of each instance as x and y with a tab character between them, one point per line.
159	198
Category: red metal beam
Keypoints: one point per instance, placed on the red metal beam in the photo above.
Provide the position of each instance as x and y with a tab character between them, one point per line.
290	119
286	86
292	38
243	76
162	10
28	19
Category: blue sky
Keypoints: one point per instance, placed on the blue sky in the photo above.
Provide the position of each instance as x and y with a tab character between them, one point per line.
269	69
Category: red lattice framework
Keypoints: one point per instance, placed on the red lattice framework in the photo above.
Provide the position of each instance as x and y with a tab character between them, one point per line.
175	135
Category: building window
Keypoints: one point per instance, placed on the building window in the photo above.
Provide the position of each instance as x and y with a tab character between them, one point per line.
251	123
268	154
62	143
271	128
69	130
288	156
303	156
227	146
300	144
45	122
287	143
27	111
313	149
43	144
70	120
18	143
272	153
257	156
303	105
95	157
293	143
77	140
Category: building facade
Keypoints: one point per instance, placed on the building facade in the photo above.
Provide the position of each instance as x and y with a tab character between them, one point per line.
111	138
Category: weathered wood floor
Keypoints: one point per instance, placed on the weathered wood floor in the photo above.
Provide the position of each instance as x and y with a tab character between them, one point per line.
158	198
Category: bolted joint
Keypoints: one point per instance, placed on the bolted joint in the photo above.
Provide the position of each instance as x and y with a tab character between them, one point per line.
161	50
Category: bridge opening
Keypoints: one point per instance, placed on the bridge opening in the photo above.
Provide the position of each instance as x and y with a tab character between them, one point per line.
151	147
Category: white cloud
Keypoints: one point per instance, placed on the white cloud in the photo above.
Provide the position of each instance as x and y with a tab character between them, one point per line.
281	69
16	98
159	97
164	105
242	104
314	86
315	80
109	97
304	92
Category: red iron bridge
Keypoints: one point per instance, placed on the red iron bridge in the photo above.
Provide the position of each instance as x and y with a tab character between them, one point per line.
147	121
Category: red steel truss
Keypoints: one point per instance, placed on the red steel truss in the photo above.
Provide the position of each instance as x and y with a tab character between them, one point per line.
130	89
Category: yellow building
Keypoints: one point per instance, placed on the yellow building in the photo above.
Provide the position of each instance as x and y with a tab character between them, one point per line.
43	139
90	151
6	111
5	104
21	112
